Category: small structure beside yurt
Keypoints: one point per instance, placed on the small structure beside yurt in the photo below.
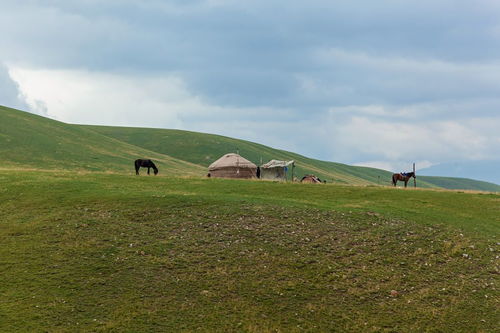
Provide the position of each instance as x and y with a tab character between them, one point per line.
311	179
276	170
232	166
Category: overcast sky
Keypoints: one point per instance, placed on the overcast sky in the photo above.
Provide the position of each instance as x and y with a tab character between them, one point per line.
378	83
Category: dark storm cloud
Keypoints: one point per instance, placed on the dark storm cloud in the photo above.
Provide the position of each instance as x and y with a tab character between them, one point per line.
254	54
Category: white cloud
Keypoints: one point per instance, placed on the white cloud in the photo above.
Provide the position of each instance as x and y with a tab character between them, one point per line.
381	136
399	112
396	166
83	97
10	95
99	98
431	141
332	56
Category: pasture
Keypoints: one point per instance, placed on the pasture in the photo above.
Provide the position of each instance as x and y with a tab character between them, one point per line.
89	251
28	141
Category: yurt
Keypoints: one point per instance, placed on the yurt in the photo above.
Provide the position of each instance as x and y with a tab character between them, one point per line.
232	166
275	170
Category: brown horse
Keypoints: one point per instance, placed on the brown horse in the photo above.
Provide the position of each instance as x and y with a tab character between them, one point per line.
403	177
145	164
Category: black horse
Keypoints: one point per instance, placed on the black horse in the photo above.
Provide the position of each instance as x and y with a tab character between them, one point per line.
405	177
145	164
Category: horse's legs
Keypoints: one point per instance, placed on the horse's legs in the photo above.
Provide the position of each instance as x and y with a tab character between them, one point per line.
148	170
136	169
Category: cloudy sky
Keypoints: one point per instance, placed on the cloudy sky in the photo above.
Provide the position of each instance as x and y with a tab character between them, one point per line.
377	83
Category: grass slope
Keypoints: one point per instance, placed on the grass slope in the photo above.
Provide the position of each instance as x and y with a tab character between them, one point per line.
461	183
202	149
110	252
31	141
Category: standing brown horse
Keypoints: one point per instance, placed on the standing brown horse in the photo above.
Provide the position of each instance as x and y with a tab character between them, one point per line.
403	177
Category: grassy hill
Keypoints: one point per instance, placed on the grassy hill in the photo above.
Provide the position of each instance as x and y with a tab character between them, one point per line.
114	252
103	250
202	149
461	183
31	141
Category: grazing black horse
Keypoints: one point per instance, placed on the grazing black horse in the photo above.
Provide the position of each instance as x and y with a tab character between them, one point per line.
403	177
145	164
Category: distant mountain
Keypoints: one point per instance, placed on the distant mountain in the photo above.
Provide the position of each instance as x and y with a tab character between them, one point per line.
488	171
31	141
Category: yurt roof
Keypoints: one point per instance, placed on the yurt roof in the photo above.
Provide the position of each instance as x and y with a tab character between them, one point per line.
231	160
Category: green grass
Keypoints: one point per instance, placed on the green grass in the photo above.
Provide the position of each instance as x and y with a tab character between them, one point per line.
461	183
88	246
202	149
30	141
114	252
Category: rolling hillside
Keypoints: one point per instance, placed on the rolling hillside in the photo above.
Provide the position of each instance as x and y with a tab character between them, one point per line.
454	183
98	252
202	149
106	251
31	141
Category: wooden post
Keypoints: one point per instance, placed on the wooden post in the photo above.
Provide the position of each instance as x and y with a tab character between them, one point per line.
414	178
293	167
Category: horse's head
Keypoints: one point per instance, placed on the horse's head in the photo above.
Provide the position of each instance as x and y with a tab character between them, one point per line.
156	171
